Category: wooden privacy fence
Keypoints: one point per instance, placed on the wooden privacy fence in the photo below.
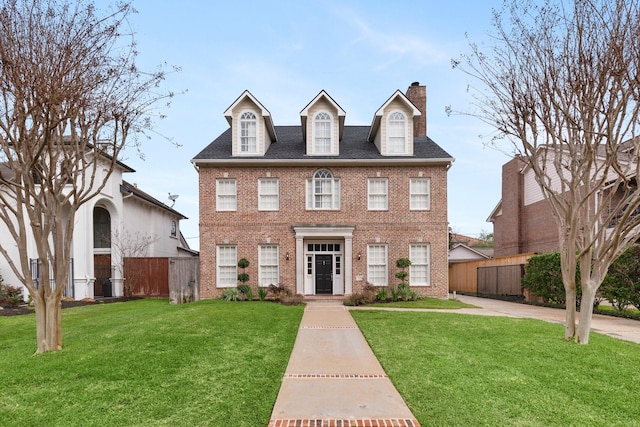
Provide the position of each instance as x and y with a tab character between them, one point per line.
496	276
174	278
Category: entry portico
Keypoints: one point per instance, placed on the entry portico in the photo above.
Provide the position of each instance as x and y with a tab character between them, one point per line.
324	254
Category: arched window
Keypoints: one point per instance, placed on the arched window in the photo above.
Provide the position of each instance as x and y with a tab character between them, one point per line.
396	132
248	132
323	191
322	133
101	228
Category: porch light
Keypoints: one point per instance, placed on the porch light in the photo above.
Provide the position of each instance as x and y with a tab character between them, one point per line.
359	256
287	256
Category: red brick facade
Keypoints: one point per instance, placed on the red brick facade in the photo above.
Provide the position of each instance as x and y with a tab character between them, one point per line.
326	251
520	229
398	227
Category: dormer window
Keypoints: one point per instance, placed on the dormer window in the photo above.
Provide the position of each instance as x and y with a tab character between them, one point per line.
248	133
397	133
322	133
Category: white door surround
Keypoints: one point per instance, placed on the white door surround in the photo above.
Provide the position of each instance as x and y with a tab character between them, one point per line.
324	235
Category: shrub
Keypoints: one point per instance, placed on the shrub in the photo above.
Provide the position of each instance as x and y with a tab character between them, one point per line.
278	291
621	286
382	294
367	296
10	295
296	299
262	293
243	277
543	277
403	264
246	291
231	294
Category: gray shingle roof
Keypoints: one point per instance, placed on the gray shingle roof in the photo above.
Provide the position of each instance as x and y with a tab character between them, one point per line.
291	146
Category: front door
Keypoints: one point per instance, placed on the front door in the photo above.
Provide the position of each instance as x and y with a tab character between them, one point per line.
324	274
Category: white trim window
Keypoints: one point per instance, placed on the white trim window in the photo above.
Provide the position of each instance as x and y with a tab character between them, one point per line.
226	196
322	128
419	271
248	133
377	265
268	194
226	266
268	271
420	194
323	191
378	191
397	133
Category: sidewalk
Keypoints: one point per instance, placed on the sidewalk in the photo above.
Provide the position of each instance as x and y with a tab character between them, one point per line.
333	378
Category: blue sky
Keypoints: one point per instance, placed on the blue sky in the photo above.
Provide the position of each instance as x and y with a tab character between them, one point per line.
284	53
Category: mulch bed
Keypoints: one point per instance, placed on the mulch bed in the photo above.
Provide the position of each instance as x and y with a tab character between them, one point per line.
23	309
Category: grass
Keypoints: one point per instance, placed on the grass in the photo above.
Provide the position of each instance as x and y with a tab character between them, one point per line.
425	303
459	370
149	363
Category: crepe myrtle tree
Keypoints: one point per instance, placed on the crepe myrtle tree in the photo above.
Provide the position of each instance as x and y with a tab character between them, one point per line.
560	83
71	99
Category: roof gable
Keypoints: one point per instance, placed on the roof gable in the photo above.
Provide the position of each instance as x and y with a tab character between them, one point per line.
377	117
266	115
320	96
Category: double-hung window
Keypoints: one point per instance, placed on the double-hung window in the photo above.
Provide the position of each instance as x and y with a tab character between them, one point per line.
419	254
323	191
248	133
377	270
268	259
419	194
397	133
227	266
378	194
322	133
226	199
268	194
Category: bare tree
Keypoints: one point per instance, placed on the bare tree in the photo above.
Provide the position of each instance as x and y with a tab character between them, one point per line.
561	82
127	244
71	98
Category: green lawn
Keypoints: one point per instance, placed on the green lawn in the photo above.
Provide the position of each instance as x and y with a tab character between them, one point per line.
149	363
464	370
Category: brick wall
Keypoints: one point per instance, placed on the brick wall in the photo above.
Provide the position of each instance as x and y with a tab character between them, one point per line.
522	229
398	227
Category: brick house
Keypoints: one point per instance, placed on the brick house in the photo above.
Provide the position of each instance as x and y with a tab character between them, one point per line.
323	207
522	220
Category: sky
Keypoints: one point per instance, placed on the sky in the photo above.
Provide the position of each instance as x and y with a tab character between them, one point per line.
285	53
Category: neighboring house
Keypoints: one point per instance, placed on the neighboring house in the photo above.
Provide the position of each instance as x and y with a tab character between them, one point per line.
122	221
323	207
522	220
460	252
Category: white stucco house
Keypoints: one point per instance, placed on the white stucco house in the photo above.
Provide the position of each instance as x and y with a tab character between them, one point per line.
121	221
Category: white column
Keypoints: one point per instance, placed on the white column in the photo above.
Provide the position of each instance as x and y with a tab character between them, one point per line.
348	265
300	265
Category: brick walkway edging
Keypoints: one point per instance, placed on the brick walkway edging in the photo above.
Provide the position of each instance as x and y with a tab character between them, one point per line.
392	422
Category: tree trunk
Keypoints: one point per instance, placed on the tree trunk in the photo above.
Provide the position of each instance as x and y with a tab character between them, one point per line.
586	312
48	323
570	315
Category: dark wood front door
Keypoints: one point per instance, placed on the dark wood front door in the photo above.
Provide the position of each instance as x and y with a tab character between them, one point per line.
324	274
102	287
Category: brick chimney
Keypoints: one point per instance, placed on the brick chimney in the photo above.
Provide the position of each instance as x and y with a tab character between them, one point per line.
418	95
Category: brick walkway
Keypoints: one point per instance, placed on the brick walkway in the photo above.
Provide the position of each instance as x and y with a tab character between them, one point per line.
333	378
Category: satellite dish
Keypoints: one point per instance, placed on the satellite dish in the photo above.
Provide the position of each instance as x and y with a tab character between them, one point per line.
173	198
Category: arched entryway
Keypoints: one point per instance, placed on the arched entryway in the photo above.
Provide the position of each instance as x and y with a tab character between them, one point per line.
102	270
